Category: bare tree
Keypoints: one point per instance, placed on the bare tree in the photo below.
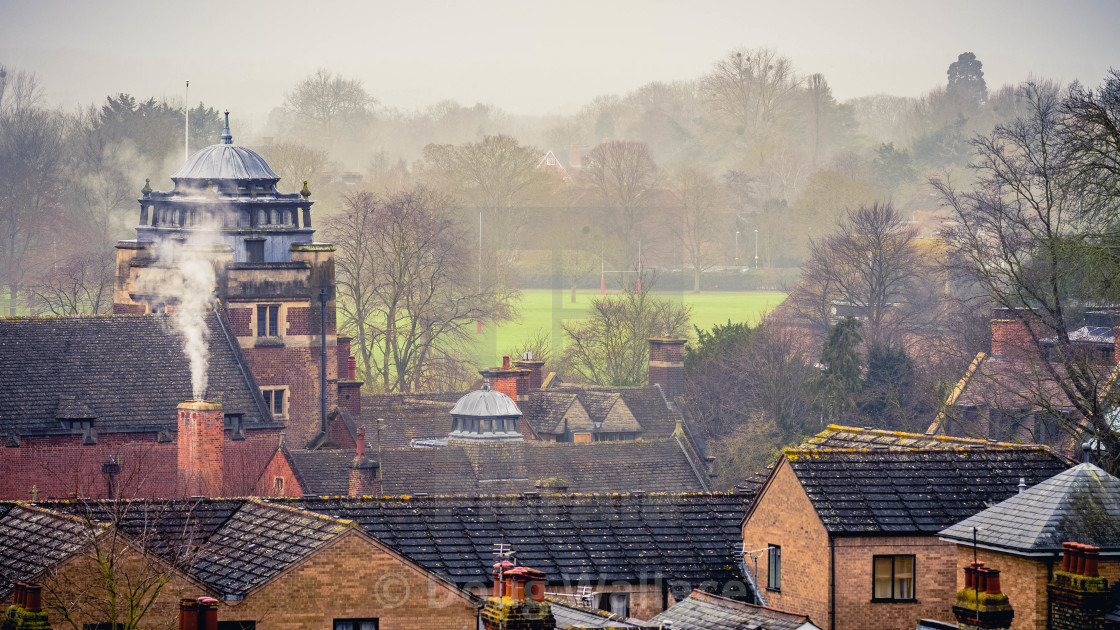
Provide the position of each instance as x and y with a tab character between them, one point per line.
402	274
296	163
329	102
611	348
80	284
749	87
625	177
872	265
700	220
31	159
1038	241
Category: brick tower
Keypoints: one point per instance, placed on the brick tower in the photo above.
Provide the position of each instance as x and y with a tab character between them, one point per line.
273	281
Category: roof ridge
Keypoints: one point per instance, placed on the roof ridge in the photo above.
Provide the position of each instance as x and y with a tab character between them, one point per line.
60	515
944	438
345	522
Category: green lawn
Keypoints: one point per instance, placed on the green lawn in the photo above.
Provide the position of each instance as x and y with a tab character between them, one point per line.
542	309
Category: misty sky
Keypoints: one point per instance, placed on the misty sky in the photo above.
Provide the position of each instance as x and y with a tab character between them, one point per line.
532	57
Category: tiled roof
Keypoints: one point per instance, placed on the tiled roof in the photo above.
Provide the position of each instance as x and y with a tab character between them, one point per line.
127	371
322	472
33	539
1081	505
404	418
836	436
704	611
257	542
1009	384
505	467
687	539
885	491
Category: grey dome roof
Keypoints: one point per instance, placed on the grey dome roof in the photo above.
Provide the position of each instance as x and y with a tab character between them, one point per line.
485	403
226	161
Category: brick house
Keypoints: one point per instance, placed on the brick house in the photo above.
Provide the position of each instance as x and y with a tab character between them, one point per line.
1023	538
848	536
269	566
95	414
1009	394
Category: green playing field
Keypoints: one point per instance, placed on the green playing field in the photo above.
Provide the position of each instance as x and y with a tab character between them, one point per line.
542	310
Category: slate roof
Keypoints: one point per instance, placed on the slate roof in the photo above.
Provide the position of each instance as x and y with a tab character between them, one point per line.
687	539
404	418
257	542
704	611
33	539
226	161
836	436
1081	504
128	371
323	472
901	492
512	467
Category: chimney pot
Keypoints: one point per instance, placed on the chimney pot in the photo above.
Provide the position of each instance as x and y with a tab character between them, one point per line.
361	443
981	580
351	367
207	613
970	576
1092	557
993	582
1067	556
33	598
505	362
19	598
188	614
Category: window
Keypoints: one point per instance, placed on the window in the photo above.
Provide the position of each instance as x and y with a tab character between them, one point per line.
254	251
268	321
274	399
774	570
278	486
892	578
77	425
355	624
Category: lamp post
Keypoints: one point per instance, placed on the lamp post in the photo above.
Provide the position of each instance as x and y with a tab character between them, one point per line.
756	249
736	248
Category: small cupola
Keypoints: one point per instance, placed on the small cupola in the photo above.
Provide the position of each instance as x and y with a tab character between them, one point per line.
485	415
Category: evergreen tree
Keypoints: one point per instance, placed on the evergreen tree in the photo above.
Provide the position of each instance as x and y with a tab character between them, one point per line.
966	81
888	387
841	381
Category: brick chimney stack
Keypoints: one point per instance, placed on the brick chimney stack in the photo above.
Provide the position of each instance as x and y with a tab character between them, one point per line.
527	363
666	365
1011	338
26	611
201	444
1079	597
981	603
363	471
518	601
511	381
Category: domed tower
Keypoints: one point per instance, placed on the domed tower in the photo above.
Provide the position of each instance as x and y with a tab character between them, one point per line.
485	415
275	283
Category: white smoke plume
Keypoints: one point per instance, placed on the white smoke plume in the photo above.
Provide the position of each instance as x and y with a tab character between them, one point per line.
188	289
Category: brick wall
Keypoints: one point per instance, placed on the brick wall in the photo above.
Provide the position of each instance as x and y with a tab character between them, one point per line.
297	368
60	466
278	467
130	309
240	321
784	516
1024	582
935	587
353	578
200	449
645	598
338	433
1011	339
666	365
350	397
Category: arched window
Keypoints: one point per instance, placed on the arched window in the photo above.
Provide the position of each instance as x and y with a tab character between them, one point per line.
262	217
275	218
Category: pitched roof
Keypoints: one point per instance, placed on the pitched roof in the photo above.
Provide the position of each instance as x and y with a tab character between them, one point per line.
33	539
322	472
838	437
511	467
404	418
686	539
128	372
704	611
258	541
892	492
1081	504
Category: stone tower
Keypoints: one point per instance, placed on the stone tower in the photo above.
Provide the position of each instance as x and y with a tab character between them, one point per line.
272	280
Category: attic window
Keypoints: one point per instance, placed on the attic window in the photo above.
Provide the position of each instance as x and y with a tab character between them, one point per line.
551	161
84	424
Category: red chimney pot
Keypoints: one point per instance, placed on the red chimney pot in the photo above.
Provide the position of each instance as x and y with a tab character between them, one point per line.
1092	556
188	614
993	582
505	362
361	443
1067	557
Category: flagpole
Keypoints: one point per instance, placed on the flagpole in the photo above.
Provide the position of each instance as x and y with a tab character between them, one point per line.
187	122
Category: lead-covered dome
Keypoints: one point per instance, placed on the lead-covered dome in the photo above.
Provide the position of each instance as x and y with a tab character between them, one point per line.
226	161
485	415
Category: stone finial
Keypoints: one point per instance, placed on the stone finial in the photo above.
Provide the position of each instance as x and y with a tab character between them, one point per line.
306	192
227	137
147	189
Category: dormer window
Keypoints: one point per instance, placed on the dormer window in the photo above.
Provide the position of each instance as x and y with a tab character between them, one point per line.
77	424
